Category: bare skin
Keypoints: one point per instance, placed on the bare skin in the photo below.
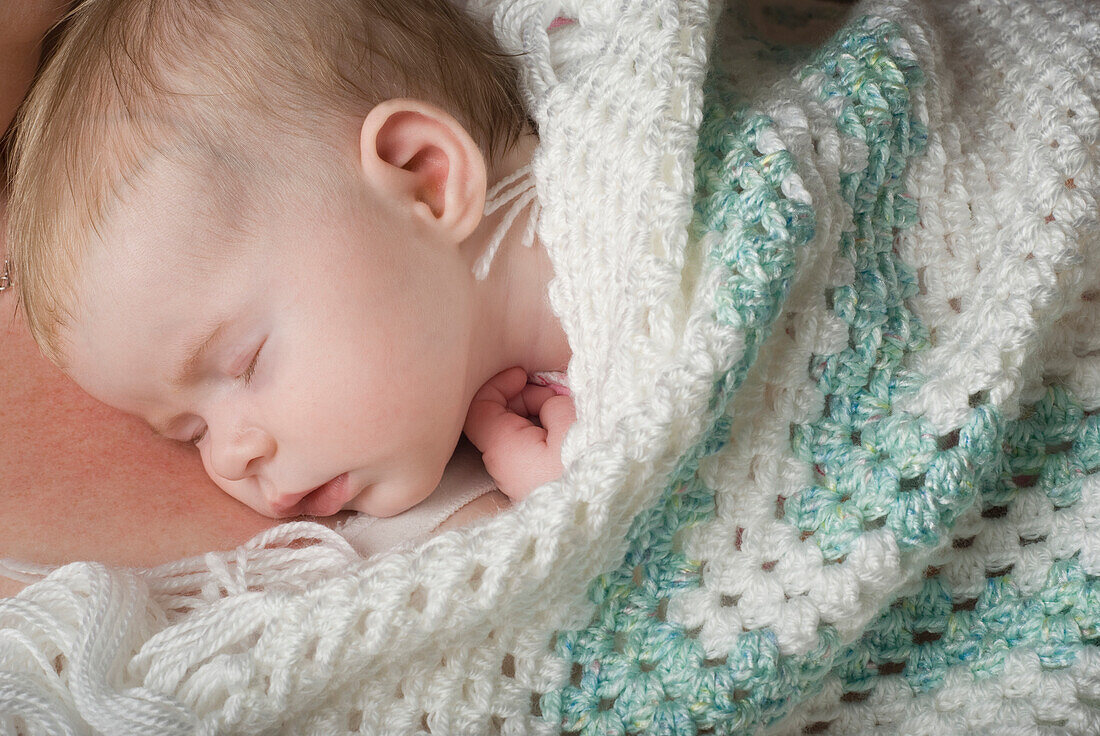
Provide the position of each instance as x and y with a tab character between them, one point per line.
23	24
79	480
82	481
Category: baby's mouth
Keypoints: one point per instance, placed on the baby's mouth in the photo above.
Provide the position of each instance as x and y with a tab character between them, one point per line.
324	500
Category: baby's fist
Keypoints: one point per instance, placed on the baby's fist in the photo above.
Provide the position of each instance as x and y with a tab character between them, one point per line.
520	454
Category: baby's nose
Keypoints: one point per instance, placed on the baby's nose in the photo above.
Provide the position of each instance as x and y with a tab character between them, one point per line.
239	456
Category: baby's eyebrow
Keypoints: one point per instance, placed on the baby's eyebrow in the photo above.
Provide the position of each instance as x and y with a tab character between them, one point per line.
195	352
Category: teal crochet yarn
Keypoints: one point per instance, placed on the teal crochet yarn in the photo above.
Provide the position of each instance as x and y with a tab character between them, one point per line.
834	318
1054	614
946	500
636	671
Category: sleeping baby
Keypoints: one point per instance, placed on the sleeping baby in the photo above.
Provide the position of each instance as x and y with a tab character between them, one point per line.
267	229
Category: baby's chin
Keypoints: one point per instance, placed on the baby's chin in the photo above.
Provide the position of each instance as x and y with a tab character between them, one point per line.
389	499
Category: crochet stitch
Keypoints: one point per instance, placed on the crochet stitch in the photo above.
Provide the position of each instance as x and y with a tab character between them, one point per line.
836	469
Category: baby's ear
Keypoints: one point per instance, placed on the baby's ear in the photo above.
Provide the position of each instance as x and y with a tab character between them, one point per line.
420	154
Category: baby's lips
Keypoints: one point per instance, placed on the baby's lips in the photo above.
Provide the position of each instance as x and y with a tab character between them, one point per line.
326	500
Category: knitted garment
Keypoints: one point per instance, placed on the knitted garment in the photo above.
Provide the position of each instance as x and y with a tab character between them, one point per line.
836	468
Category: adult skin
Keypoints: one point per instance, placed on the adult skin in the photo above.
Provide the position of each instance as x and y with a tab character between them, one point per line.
79	480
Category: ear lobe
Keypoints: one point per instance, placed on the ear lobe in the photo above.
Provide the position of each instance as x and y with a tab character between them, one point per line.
421	156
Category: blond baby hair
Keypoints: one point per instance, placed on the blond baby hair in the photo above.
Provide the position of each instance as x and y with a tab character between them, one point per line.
119	88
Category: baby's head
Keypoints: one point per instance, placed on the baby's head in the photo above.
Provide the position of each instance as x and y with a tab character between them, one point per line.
253	225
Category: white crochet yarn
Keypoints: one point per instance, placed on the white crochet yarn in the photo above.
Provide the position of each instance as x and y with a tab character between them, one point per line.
517	191
295	633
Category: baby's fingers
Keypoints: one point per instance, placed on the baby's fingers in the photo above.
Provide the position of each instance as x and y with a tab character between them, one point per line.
490	421
557	415
489	425
530	400
504	387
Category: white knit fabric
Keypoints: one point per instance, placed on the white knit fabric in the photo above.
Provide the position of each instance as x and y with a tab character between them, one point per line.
296	633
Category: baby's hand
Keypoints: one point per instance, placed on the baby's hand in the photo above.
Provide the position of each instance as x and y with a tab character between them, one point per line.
519	454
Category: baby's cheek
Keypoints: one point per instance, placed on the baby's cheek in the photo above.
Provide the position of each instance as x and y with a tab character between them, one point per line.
390	498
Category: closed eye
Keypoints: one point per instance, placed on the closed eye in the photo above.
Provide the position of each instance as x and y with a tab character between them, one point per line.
197	437
248	372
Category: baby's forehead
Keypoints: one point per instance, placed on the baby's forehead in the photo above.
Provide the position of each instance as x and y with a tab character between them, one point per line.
142	298
194	207
203	183
164	214
233	188
183	209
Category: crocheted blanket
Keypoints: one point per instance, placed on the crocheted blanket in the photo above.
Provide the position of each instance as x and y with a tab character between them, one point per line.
836	330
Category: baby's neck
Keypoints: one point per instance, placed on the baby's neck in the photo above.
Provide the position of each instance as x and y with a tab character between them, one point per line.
520	328
518	156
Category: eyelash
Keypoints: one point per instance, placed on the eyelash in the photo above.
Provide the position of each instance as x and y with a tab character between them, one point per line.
246	376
